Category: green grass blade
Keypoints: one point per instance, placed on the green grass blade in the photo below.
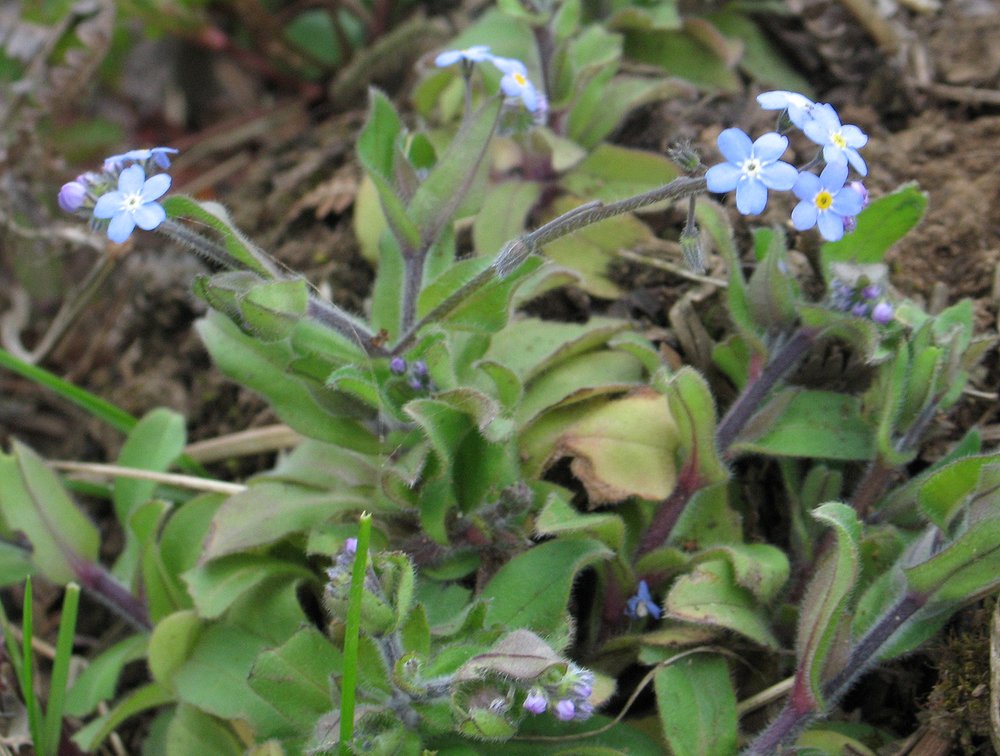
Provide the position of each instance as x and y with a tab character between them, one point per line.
114	416
351	633
27	676
103	410
60	669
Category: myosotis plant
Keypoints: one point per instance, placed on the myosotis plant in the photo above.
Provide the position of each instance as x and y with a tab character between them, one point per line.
453	613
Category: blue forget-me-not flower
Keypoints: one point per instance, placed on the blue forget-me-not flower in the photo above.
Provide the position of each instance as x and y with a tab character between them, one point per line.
515	83
800	108
642	604
825	201
474	54
840	143
133	203
159	155
752	169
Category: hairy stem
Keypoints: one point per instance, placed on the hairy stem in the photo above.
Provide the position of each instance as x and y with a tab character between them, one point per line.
796	715
748	402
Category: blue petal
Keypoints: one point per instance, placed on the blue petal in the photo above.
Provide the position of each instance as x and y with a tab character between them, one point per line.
804	215
509	65
831	226
780	176
131	180
770	146
827	117
149	216
108	204
448	58
776	100
847	202
654	609
833	176
121	227
857	161
751	197
155	187
735	145
817	132
833	155
807	186
722	177
854	136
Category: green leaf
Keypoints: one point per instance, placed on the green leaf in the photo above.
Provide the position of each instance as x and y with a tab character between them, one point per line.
33	501
178	550
611	173
531	346
99	680
593	374
697	706
154	444
709	595
313	31
171	644
261	367
244	252
193	731
520	600
771	291
692	407
270	510
803	423
603	105
295	677
439	196
624	448
137	701
950	487
505	209
15	563
591	250
965	570
558	517
271	310
760	568
761	58
824	607
216	585
215	678
682	54
880	225
520	655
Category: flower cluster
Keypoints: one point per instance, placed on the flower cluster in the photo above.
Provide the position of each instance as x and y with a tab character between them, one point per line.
754	167
121	193
569	695
418	378
515	83
862	299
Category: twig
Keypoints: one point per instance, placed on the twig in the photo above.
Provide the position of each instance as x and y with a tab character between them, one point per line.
169	479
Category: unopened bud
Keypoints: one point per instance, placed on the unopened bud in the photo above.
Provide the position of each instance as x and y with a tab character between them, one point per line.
694	256
513	254
71	196
882	313
685	156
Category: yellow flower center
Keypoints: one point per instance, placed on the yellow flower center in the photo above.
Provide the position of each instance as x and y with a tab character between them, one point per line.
823	200
838	140
519	78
